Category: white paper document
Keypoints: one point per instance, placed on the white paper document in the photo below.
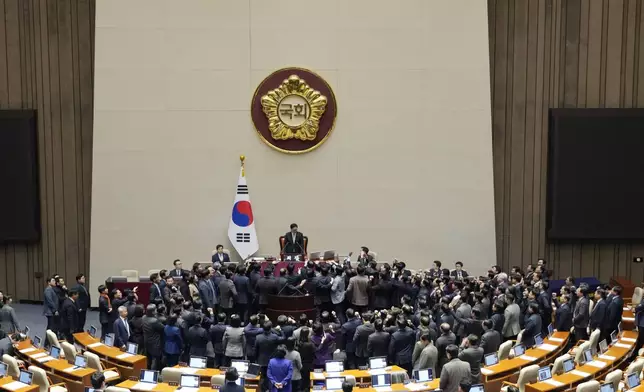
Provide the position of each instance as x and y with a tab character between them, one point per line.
486	371
597	364
14	386
628	318
44	359
38	355
607	357
95	344
27	350
189	370
374	372
622	345
554	382
415	386
527	358
629	340
144	386
382	389
70	369
547	347
124	355
580	373
556	339
333	374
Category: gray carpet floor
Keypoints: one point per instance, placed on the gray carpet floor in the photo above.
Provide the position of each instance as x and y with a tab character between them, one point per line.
31	315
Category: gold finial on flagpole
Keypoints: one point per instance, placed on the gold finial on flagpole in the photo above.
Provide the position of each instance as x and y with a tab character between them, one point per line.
242	158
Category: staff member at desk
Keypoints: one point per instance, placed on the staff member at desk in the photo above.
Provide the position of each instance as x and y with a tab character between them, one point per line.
231	384
293	241
219	256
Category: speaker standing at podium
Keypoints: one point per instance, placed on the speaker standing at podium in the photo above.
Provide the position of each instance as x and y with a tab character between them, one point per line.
293	241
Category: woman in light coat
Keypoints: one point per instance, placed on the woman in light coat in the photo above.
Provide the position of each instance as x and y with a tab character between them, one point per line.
234	340
8	319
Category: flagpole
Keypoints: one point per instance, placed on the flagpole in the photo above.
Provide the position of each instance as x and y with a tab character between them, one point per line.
242	158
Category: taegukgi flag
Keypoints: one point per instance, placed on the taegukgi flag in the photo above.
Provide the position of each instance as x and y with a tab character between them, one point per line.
241	230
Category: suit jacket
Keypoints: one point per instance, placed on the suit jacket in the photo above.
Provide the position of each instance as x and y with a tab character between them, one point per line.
532	328
490	341
244	292
428	359
453	374
197	338
294	247
231	386
598	316
155	291
358	290
84	298
473	356
381	294
223	258
172	340
361	339
614	311
441	344
265	345
50	303
580	316
401	346
464	311
227	293
347	332
8	319
511	327
69	316
280	370
322	289
178	274
234	342
265	287
378	345
639	316
217	332
121	335
563	318
103	310
468	326
454	274
206	293
152	332
498	320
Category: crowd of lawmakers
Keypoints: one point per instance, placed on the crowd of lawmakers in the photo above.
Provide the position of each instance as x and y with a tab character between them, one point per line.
439	319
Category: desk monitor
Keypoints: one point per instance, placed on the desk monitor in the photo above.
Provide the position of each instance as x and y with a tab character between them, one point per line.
240	381
329	254
588	356
241	366
109	339
200	363
607	387
92	331
3	369
334	366
477	388
568	365
603	346
36	342
423	375
545	373
132	348
551	330
80	361
333	383
519	350
377	362
27	329
491	359
315	256
54	352
633	380
538	340
189	381
253	370
149	376
613	337
26	377
381	380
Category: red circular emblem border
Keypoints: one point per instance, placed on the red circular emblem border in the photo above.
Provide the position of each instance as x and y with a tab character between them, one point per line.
327	121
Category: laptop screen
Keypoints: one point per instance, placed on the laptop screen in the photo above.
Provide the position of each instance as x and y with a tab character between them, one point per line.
25	377
381	380
150	376
607	387
588	356
477	388
80	361
253	370
27	329
3	369
334	366
613	336
551	330
603	346
491	359
519	349
241	366
189	381
568	365
200	363
538	340
92	331
54	352
132	348
633	380
377	362
332	383
544	373
109	339
36	342
423	375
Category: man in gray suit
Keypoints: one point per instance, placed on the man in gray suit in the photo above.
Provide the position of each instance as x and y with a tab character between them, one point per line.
358	291
464	311
581	315
428	356
447	338
471	353
206	290
454	372
511	327
227	293
491	338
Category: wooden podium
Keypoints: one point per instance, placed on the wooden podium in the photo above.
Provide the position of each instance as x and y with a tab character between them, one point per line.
283	243
290	306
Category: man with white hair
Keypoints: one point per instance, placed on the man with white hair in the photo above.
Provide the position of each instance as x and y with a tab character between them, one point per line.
121	328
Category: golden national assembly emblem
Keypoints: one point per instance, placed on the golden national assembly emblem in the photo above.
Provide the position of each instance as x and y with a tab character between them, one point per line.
293	110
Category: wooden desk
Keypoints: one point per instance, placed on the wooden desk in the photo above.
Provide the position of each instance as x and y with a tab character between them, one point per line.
508	369
128	366
27	388
628	319
164	387
75	381
570	380
362	376
206	374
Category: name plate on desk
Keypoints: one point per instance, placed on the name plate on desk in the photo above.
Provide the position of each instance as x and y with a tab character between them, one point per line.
293	257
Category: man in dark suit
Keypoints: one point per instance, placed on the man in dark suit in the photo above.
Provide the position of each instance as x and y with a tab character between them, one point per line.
155	288
614	310
206	290
563	315
438	271
378	341
401	345
491	338
228	294
178	270
84	300
447	338
598	315
639	323
219	256
265	345
169	289
347	331
104	310
361	338
231	381
69	316
244	292
581	315
469	326
459	273
293	241
217	331
532	325
265	287
121	328
51	305
152	338
364	258
545	307
322	299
